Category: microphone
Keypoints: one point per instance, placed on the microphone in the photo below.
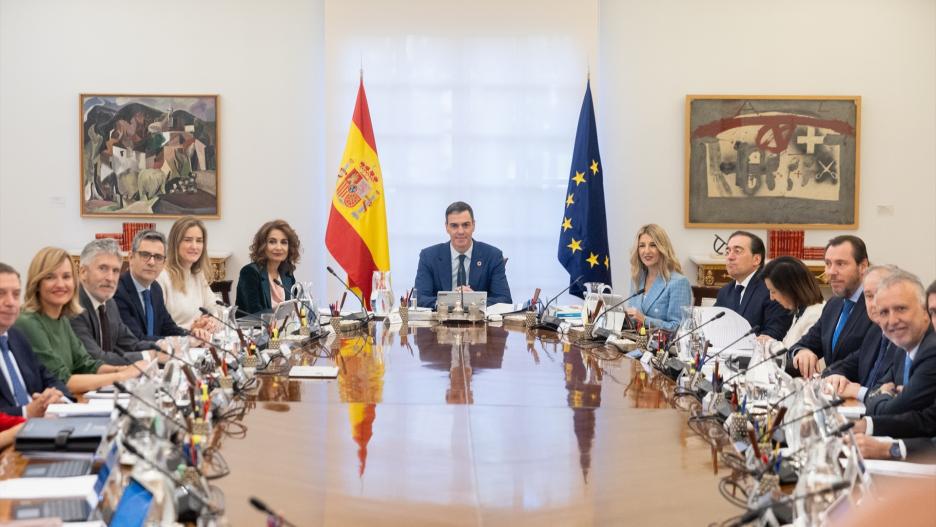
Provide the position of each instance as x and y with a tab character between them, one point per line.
347	287
549	322
123	389
750	367
697	328
735	341
601	331
192	491
755	513
300	300
240	332
264	508
236	309
833	404
553	299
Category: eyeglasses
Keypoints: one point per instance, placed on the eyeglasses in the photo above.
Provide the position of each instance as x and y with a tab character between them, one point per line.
158	258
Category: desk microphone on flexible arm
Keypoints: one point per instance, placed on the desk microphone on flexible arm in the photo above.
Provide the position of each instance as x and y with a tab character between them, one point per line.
264	508
755	513
605	333
697	328
237	329
236	309
364	315
545	321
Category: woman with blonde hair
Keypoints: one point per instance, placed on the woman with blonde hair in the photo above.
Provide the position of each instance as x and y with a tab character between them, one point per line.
184	280
51	298
656	270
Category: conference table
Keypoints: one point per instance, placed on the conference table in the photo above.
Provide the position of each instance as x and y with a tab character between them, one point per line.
476	425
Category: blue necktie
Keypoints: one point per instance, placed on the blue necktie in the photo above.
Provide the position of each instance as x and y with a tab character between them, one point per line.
843	318
907	363
883	354
737	292
148	311
460	275
19	391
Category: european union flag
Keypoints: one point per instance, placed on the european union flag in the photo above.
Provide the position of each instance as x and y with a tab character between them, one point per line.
583	240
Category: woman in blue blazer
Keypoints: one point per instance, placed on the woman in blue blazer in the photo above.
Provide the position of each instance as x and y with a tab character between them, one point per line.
654	267
274	254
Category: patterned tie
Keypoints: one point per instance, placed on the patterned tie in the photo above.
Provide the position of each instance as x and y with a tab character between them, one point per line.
19	391
148	311
105	328
460	276
843	318
907	363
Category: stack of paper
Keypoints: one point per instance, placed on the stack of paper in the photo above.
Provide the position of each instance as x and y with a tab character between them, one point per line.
47	488
94	407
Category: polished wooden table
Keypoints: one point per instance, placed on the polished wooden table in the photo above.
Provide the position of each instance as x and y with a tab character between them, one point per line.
470	426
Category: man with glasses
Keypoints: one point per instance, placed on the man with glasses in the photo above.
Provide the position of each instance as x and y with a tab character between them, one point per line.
462	264
139	296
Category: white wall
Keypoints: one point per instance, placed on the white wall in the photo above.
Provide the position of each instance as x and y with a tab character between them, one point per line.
266	60
652	54
263	58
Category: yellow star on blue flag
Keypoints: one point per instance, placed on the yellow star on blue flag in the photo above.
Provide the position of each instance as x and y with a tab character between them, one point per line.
583	238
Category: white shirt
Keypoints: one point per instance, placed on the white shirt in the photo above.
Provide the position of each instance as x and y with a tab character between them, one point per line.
455	255
744	284
16	371
184	307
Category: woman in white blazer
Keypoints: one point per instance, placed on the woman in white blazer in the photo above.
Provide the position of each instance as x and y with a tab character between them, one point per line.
184	281
795	288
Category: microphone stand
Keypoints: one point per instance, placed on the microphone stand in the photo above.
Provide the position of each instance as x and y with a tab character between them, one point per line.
605	333
365	315
192	491
264	508
544	321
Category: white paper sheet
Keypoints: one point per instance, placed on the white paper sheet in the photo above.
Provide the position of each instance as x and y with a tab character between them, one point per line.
314	372
726	330
887	467
852	412
36	488
94	407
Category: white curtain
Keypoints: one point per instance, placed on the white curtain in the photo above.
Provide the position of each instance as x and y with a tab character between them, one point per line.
475	102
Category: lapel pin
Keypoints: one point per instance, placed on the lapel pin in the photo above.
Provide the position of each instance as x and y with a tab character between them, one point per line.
479	263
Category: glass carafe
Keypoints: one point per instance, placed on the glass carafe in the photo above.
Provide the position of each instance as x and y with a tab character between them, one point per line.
381	293
593	292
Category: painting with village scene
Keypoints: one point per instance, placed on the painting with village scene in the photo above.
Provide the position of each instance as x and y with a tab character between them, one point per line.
149	155
772	162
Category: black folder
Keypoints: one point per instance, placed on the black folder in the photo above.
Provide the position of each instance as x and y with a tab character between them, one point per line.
63	434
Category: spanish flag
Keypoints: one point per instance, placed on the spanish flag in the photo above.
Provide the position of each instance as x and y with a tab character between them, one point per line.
357	224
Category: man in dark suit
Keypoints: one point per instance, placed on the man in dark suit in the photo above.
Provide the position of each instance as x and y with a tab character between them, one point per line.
99	326
844	320
910	383
857	373
914	431
462	264
21	373
139	297
747	295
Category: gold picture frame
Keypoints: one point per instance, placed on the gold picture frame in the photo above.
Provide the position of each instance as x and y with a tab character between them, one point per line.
149	155
772	161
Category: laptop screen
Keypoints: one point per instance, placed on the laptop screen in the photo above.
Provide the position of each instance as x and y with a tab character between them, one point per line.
105	471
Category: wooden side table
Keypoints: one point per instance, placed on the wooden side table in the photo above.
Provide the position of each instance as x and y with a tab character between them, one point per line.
711	271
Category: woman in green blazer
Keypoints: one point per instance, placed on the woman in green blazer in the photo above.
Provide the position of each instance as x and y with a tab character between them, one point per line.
274	254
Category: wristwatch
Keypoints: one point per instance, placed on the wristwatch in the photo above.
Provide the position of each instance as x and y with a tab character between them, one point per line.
895	451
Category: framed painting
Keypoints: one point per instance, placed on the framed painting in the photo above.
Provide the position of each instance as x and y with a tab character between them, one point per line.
152	156
772	161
